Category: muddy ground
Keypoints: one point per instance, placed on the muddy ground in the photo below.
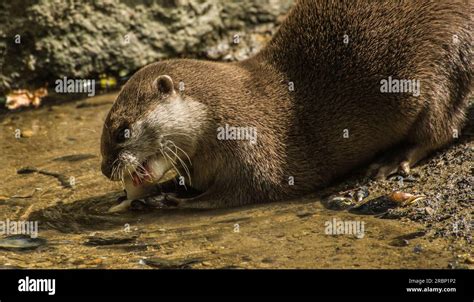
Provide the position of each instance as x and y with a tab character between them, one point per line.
70	200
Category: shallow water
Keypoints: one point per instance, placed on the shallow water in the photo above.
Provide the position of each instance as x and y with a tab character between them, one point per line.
63	141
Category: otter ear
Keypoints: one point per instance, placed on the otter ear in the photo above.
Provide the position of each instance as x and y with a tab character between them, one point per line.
164	84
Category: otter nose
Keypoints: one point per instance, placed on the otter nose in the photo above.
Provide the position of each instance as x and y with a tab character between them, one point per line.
106	168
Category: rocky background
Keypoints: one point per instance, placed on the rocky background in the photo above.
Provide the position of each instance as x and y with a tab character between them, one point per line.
42	40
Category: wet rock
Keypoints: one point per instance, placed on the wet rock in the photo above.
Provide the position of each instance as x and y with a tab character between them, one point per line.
21	242
149	31
346	199
361	194
417	249
161	263
429	211
338	202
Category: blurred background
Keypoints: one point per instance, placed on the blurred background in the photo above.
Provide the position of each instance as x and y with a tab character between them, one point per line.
43	40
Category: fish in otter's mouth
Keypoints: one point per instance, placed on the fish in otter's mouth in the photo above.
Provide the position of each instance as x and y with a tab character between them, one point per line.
153	177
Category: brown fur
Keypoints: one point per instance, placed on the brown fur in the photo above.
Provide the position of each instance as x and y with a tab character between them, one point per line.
337	87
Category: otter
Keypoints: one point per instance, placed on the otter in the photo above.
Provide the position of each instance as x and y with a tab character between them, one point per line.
341	85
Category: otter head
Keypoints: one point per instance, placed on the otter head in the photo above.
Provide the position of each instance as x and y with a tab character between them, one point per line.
151	128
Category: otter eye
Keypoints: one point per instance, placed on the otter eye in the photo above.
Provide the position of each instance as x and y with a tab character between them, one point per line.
122	134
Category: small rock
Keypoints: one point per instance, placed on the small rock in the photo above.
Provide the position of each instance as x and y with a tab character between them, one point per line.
361	194
161	263
21	242
404	198
417	249
429	211
337	202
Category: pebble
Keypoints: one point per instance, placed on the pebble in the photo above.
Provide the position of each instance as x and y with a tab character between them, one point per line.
429	211
362	193
21	242
417	249
404	198
169	264
338	202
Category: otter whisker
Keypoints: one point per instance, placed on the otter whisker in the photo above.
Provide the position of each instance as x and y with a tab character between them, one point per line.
166	155
129	173
184	152
141	171
183	164
114	168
